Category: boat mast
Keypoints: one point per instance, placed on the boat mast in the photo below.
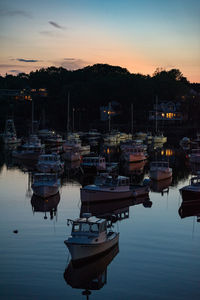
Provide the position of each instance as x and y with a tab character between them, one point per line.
132	119
156	114
32	117
109	116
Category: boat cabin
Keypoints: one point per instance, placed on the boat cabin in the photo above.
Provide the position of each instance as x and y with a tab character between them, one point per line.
117	181
45	177
92	226
195	180
49	158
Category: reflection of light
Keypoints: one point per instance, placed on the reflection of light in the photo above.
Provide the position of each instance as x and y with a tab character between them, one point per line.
108	150
167	152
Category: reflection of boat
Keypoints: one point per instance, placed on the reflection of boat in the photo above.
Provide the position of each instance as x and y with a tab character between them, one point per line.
113	210
189	209
50	163
136	168
45	184
160	170
191	191
91	275
89	237
45	205
161	186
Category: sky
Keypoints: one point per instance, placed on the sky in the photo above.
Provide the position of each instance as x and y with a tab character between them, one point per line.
140	35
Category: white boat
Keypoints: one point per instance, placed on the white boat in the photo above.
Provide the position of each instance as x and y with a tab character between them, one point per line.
110	188
45	184
195	156
94	163
30	150
9	136
191	191
50	163
133	153
160	170
89	238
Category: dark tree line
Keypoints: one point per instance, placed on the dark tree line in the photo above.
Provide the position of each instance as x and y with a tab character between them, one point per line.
94	86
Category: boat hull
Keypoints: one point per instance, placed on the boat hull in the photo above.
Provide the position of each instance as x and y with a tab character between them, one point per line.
45	191
88	195
83	251
188	195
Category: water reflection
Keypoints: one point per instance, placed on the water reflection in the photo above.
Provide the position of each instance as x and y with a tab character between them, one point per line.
45	206
113	210
161	186
90	275
189	209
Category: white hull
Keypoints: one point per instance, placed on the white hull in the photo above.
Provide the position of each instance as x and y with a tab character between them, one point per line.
45	191
83	251
97	195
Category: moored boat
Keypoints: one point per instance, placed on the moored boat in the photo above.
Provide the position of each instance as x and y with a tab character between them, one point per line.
191	191
89	238
45	184
50	163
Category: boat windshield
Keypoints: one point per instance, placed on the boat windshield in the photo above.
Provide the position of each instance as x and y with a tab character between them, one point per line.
85	227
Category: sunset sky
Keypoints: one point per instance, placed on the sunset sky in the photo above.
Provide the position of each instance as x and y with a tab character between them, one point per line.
139	35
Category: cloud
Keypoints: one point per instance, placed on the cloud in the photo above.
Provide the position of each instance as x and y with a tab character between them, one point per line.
47	33
72	63
56	25
27	60
13	13
15	71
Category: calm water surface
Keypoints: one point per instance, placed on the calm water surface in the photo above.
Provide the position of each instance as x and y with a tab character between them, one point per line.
158	255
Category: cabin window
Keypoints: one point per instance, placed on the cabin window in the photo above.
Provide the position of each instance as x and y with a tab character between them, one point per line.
94	228
103	227
85	227
76	227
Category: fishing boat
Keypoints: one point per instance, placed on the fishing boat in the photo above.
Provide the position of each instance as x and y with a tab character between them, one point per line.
45	184
133	153
45	206
29	150
50	163
89	237
160	170
94	163
111	188
191	191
